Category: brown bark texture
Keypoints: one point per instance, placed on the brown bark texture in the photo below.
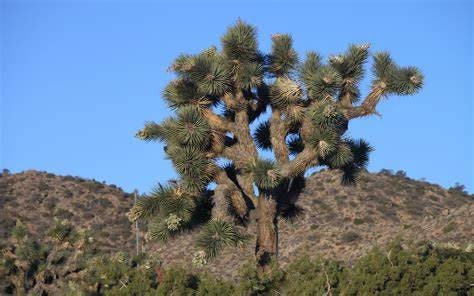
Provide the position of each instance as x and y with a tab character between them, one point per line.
266	249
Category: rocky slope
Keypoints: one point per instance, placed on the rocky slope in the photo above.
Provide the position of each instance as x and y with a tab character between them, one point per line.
36	198
341	222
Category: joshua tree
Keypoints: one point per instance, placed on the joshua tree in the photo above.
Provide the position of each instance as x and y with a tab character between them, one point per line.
301	112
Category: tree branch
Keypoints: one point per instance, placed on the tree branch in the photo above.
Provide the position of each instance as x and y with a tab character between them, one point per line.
304	160
228	188
217	121
369	104
278	133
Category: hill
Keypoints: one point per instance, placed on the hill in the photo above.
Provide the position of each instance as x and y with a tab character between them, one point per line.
36	197
335	221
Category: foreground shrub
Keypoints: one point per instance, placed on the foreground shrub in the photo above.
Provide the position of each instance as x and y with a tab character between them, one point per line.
415	271
65	264
307	277
115	275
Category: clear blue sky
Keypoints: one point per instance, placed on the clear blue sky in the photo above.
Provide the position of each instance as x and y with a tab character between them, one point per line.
79	78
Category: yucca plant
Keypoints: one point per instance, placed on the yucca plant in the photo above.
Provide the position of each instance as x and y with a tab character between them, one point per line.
302	111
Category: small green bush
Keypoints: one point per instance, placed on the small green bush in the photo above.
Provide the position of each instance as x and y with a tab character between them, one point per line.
350	236
450	227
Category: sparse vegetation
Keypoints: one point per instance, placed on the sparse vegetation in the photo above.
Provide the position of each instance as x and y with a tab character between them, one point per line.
458	189
67	264
350	236
450	227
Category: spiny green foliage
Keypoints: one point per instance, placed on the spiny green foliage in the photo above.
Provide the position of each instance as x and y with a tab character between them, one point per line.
216	235
169	210
399	80
192	128
266	174
239	43
284	58
285	92
262	135
350	67
217	95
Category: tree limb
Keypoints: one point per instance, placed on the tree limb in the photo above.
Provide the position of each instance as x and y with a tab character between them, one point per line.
217	121
304	160
278	137
369	104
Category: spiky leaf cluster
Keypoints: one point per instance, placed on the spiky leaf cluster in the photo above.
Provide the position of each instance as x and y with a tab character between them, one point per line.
261	136
309	68
398	80
266	174
191	128
216	235
210	74
249	76
168	209
295	144
327	115
239	43
283	59
350	67
182	92
324	83
285	92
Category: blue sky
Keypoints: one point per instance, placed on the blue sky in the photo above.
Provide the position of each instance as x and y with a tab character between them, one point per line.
79	78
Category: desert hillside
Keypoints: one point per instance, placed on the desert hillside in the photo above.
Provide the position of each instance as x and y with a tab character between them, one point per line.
36	198
341	222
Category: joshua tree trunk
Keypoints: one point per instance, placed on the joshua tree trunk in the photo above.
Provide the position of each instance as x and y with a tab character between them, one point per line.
266	250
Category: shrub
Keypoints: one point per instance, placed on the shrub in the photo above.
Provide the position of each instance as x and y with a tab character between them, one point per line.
251	284
306	277
458	189
43	186
450	227
117	275
69	178
386	172
94	186
401	174
68	193
210	286
416	271
350	236
63	213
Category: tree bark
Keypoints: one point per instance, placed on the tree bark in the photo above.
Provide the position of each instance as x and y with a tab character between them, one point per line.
266	250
